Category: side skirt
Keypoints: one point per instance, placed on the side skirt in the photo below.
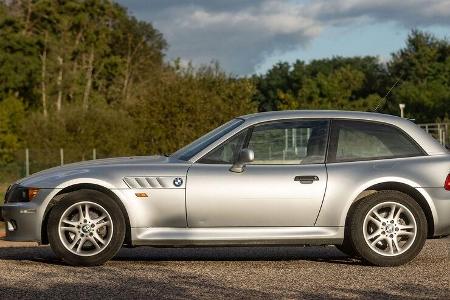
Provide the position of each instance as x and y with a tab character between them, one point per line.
237	236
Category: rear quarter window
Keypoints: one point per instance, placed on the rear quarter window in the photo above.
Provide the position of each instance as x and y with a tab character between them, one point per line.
362	140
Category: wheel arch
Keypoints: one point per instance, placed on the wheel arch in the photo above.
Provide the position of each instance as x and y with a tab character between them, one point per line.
84	186
404	188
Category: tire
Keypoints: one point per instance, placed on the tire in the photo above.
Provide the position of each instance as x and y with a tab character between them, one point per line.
86	241
393	237
347	249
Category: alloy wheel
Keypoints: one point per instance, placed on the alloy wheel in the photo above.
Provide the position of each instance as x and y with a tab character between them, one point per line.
389	228
85	228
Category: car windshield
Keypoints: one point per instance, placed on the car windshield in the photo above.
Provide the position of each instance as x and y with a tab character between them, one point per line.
187	152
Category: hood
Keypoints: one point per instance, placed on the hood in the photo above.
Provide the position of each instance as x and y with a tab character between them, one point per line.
103	168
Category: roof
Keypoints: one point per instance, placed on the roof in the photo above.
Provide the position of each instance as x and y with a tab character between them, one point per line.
428	143
289	114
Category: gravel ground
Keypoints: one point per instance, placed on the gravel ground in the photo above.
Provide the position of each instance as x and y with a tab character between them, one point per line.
265	272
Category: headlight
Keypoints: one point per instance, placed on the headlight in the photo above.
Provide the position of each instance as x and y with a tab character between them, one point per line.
17	193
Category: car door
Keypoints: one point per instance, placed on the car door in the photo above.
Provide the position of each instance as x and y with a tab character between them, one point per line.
283	186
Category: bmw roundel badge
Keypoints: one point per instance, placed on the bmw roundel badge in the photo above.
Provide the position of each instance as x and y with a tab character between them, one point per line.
178	181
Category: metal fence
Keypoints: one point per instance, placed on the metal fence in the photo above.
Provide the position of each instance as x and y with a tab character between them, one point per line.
61	159
439	131
23	162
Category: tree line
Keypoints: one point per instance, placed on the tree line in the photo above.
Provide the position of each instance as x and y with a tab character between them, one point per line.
86	74
419	75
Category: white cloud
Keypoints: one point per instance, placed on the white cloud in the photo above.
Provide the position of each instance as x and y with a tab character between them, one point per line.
240	34
407	13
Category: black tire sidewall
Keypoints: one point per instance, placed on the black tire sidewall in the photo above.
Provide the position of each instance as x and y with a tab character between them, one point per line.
356	228
347	249
116	216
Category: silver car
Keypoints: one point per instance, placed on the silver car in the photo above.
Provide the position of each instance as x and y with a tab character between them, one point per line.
374	185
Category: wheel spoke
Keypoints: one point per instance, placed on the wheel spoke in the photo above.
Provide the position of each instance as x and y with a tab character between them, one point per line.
70	229
101	218
390	246
402	232
93	241
377	222
397	215
106	223
377	215
396	244
374	235
377	240
75	240
80	212
80	245
101	240
405	227
86	212
392	212
406	230
74	224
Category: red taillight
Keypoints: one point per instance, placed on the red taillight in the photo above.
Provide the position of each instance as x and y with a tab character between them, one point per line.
447	183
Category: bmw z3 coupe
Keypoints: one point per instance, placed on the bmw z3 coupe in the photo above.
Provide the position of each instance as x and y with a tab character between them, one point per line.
374	185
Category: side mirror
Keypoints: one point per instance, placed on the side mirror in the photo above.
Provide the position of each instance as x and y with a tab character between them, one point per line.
245	156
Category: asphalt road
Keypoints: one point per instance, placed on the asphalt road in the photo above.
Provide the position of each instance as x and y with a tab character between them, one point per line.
266	272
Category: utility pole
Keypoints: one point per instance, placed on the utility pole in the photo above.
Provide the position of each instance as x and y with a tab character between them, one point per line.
61	155
402	109
27	162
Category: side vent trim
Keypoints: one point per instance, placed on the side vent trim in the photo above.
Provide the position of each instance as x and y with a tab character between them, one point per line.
153	182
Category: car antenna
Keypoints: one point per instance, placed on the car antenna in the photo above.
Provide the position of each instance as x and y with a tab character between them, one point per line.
383	100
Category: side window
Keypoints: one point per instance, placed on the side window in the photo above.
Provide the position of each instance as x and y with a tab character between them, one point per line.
227	152
292	142
359	140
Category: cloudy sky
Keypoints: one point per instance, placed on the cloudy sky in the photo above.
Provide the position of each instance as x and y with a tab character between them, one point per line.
248	36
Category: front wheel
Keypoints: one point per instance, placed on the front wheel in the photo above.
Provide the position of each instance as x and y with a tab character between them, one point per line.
86	228
388	228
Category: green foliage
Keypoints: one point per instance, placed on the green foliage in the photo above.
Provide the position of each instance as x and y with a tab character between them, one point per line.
12	115
178	108
187	104
107	129
336	83
424	69
19	60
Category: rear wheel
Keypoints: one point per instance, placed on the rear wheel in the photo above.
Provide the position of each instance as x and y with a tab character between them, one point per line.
86	228
388	228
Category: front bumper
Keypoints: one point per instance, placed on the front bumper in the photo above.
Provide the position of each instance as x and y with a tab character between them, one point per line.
23	220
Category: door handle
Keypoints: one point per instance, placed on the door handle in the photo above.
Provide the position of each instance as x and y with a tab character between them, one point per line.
306	179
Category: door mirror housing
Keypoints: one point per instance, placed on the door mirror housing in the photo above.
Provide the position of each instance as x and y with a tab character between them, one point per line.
245	156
